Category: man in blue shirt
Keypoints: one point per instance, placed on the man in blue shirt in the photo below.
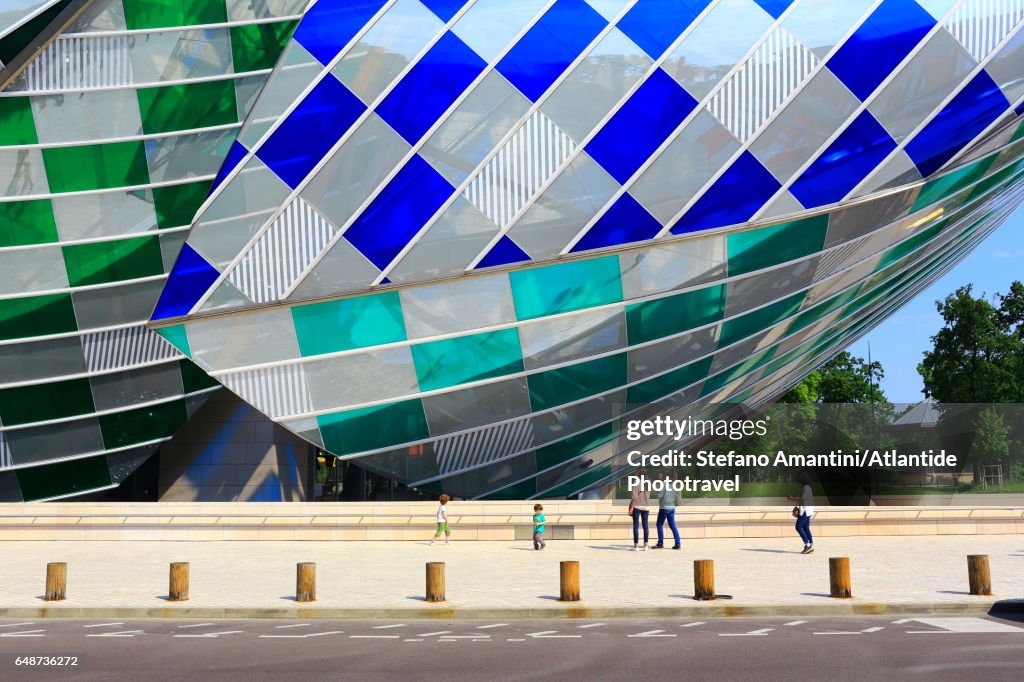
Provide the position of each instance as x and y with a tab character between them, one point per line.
667	501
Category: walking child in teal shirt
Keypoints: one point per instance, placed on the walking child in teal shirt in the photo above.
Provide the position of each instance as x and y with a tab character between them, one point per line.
538	527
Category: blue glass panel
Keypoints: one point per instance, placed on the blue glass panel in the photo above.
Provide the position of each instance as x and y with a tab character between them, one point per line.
774	7
637	129
444	9
1019	109
430	87
309	132
976	106
231	161
734	198
399	211
879	45
330	24
190	277
626	221
505	252
655	24
855	153
547	49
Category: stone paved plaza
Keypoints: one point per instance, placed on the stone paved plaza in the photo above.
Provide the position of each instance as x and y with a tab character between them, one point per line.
482	575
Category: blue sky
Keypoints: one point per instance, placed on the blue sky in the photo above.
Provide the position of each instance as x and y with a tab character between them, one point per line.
898	343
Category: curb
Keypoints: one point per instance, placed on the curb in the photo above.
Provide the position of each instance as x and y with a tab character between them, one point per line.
442	612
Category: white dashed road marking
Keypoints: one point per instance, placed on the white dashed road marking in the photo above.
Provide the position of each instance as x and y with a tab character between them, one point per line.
552	634
653	633
838	632
496	625
902	621
752	633
119	633
103	625
797	622
195	625
374	637
691	625
876	629
963	625
590	625
431	634
297	625
413	640
387	627
26	633
305	636
214	635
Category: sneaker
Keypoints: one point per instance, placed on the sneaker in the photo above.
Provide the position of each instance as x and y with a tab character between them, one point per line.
677	547
431	542
636	548
807	549
447	543
658	547
645	548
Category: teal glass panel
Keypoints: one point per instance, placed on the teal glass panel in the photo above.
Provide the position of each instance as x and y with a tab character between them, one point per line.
574	446
565	287
1002	177
738	371
753	322
940	188
142	424
37	403
580	482
63	478
669	383
768	246
812	315
372	428
910	244
674	314
440	364
177	337
36	316
350	323
568	384
520	491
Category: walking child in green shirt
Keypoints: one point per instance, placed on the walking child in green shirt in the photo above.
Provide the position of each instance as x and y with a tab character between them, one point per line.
538	527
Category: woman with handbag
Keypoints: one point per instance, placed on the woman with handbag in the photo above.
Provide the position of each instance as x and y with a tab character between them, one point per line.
639	509
804	510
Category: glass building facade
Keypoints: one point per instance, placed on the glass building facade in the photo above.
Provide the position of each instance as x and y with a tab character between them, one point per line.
456	240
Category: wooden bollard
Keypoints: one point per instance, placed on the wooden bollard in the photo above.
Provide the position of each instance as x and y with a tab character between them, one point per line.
435	581
569	573
703	579
305	582
840	586
979	575
56	581
178	590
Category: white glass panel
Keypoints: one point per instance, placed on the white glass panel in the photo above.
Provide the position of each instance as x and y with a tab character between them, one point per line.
179	55
343	269
449	307
97	215
86	116
668	267
490	25
31	270
364	377
22	172
187	156
234	341
124	389
821	24
572	337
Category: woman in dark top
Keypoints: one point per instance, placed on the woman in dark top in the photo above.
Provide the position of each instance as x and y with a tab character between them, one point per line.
805	508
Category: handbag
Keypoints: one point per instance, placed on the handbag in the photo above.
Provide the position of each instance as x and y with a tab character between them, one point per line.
630	510
796	512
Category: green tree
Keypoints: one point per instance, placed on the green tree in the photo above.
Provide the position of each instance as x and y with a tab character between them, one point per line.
991	442
843	379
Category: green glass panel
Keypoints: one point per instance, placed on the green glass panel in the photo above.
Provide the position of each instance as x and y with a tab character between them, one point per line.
574	446
113	261
753	322
674	314
468	358
372	428
193	378
255	47
16	123
948	184
998	178
98	166
142	424
27	222
161	13
1019	133
184	107
177	337
910	244
768	246
567	384
349	323
669	383
63	478
36	316
520	491
580	482
565	287
176	205
37	403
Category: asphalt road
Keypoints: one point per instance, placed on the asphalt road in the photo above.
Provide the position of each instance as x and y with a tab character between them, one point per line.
879	648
